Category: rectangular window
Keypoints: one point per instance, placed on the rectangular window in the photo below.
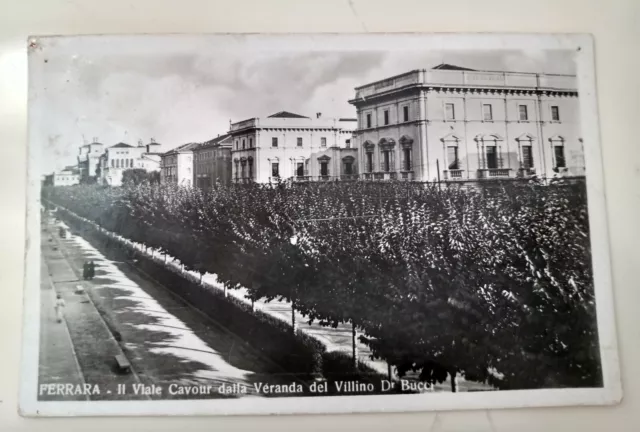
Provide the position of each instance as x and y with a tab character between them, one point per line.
523	115
452	158
407	159
560	160
492	157
250	167
323	142
386	117
348	168
368	120
237	145
405	113
527	157
369	162
299	141
386	161
243	141
275	169
487	112
250	142
274	142
555	113
347	143
449	112
324	168
300	169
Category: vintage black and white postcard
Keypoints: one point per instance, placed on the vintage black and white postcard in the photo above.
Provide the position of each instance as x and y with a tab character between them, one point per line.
259	224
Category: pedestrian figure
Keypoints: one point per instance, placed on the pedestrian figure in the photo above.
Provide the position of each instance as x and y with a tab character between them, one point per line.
85	270
59	306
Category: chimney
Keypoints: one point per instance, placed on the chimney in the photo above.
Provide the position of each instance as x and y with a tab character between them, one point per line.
153	140
140	144
318	115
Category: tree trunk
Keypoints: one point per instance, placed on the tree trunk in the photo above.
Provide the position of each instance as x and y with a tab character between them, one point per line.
354	346
253	305
201	278
165	258
389	372
293	317
225	289
454	384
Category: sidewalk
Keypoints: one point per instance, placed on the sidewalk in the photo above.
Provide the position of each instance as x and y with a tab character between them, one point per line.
57	359
93	345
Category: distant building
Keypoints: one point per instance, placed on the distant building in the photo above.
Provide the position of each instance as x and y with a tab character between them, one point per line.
176	165
454	123
212	162
291	146
121	157
89	159
68	176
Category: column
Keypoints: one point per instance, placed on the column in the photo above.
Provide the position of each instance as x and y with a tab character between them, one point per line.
422	139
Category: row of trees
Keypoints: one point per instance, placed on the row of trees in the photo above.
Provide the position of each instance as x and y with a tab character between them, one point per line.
494	283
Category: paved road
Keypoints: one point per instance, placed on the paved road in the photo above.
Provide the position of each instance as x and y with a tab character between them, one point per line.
166	340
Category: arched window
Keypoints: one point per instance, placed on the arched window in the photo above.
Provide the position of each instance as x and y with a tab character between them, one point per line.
348	166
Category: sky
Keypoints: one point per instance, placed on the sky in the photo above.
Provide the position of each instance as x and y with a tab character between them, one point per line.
181	95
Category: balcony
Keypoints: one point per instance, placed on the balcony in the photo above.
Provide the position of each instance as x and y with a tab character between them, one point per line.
324	178
454	174
494	173
302	178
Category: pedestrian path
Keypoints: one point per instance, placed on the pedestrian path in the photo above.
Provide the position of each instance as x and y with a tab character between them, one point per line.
57	360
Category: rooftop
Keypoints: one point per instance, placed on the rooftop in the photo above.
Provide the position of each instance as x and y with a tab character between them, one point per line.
286	114
121	145
447	75
215	141
447	66
182	148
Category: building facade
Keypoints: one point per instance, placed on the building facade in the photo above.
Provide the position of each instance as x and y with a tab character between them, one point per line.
212	162
290	146
89	159
176	166
452	123
69	176
121	157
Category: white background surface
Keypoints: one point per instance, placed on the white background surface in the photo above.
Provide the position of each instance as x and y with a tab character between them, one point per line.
615	25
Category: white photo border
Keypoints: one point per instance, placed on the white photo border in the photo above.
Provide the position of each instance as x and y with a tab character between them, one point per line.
583	44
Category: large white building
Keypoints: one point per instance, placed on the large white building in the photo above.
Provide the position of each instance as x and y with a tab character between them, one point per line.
89	159
453	123
121	157
291	146
177	165
68	176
